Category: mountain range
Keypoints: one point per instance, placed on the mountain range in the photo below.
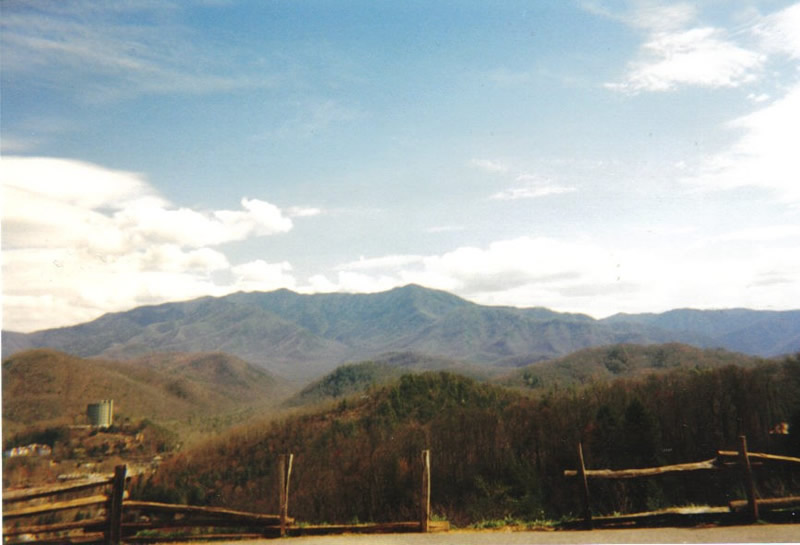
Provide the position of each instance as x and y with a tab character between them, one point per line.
302	337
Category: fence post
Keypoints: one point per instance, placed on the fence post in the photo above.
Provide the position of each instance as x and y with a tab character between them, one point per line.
284	475
114	533
747	473
425	495
587	510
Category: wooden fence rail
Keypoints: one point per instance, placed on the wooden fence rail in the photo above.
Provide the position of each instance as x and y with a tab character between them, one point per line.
13	496
721	454
230	515
725	459
92	529
124	519
645	471
183	518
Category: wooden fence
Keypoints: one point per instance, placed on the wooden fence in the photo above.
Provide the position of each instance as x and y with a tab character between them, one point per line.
49	502
112	518
724	460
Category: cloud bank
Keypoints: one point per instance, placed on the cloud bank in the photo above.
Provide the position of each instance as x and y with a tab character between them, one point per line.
702	57
524	185
678	51
80	239
598	279
763	156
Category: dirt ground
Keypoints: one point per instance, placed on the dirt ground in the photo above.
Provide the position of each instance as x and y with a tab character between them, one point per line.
760	533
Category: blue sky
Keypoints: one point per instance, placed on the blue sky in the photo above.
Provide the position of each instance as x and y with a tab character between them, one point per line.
588	156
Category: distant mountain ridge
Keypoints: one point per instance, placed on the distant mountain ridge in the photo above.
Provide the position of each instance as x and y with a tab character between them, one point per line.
302	337
759	333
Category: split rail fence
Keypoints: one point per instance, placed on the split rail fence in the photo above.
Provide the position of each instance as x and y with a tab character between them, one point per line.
113	518
725	459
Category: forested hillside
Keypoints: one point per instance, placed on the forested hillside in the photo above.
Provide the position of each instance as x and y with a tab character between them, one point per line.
496	453
605	363
48	388
345	381
358	378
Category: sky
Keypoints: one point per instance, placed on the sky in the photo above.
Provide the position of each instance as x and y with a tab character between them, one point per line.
594	156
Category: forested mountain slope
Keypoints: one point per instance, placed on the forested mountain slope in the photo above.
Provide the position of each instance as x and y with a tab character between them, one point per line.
496	453
302	337
605	363
44	387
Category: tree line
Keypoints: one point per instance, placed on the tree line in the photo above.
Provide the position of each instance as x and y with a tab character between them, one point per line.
495	452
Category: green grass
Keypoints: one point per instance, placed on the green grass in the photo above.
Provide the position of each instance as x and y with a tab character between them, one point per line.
513	523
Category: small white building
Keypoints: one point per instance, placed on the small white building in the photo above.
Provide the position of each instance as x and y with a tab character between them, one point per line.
33	449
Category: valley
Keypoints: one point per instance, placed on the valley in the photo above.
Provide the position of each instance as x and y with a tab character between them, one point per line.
356	386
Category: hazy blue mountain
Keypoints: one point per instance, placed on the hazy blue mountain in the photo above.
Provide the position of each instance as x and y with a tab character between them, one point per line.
302	337
759	333
202	325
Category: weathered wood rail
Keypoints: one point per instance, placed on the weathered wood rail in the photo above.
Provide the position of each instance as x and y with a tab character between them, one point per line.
91	529
725	459
114	518
643	472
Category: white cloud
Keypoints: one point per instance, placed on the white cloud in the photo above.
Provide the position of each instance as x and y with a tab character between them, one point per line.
647	15
657	17
389	261
679	52
173	258
763	153
485	274
700	57
83	240
319	283
525	185
780	32
510	263
302	212
73	182
766	233
50	201
489	165
758	98
259	275
76	285
353	282
587	277
531	187
764	156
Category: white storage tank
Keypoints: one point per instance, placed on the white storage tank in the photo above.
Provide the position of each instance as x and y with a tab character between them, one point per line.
101	414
